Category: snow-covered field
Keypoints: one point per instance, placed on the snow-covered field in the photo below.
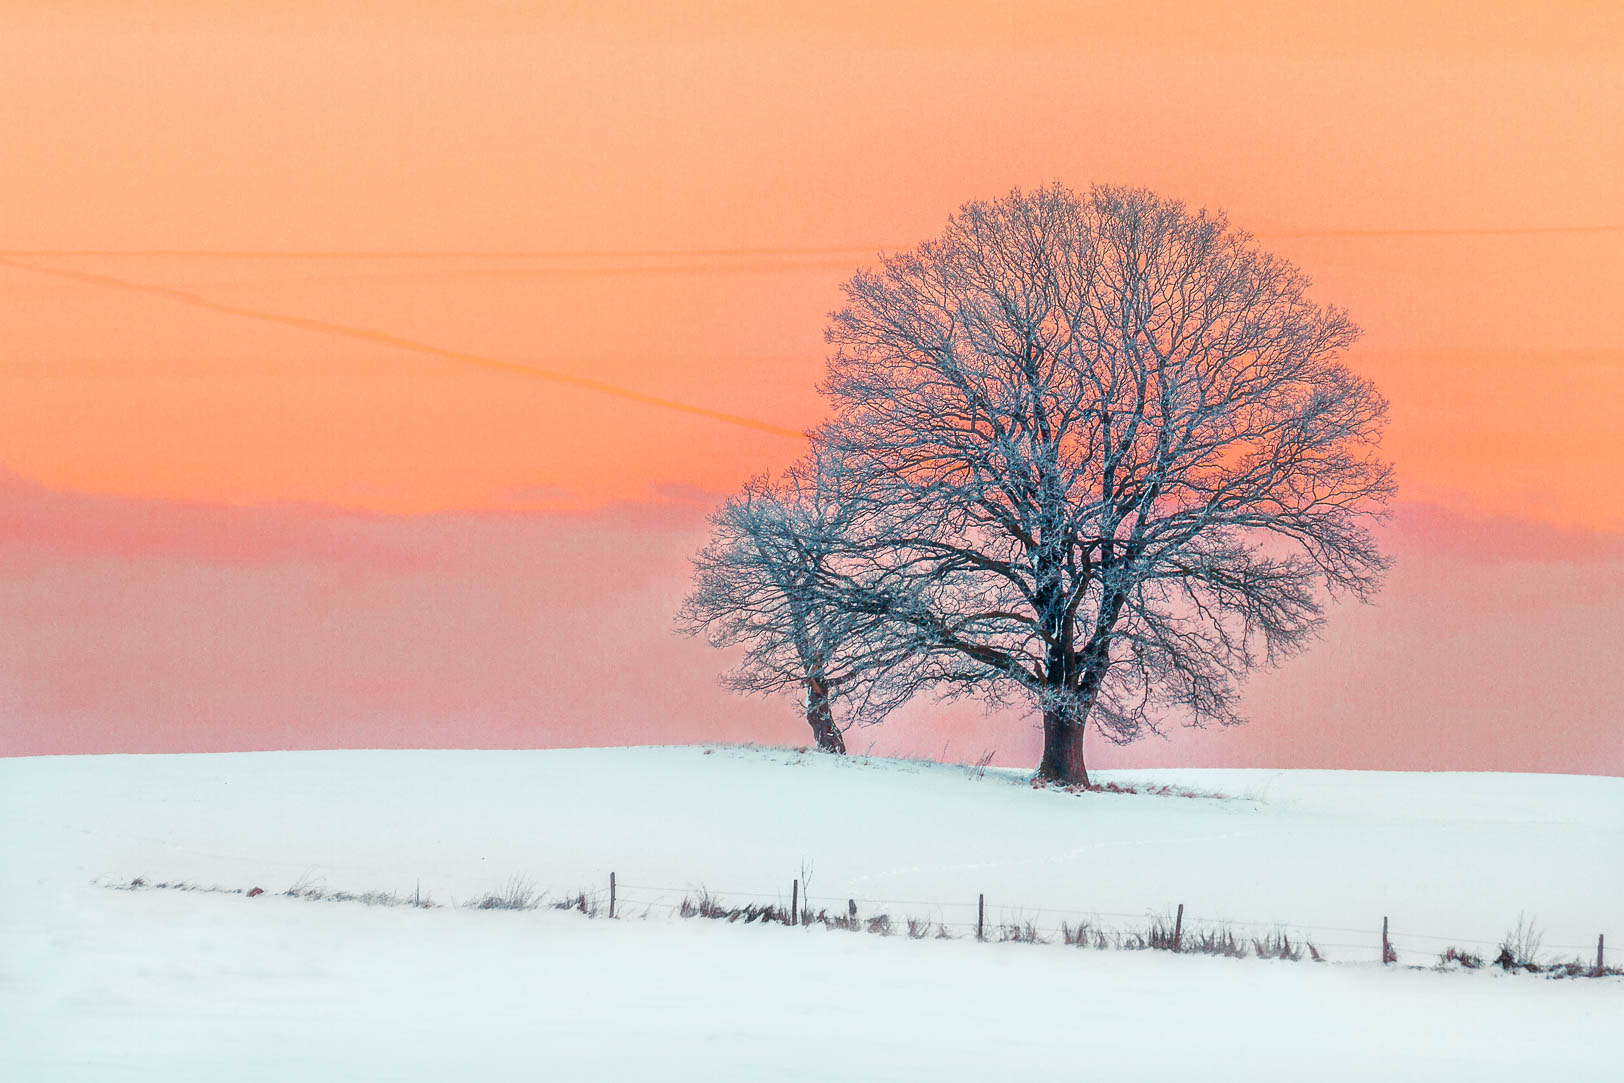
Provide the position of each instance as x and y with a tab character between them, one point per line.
99	984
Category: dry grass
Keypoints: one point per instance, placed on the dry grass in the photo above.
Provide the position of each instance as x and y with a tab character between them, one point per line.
919	929
1219	940
1278	945
1158	936
1146	789
709	906
517	894
1021	932
1460	956
304	888
582	902
1084	935
1519	948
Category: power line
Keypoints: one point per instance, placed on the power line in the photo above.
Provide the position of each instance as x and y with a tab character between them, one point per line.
1480	231
383	338
396	253
690	253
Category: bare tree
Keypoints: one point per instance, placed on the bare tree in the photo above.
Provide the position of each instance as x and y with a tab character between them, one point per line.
755	587
1120	458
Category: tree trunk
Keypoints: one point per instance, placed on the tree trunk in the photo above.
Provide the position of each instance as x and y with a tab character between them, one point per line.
1062	761
822	720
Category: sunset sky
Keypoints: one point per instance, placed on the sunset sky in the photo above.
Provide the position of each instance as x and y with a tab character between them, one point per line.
366	375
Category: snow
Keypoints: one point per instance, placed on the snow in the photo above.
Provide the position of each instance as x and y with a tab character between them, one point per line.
153	984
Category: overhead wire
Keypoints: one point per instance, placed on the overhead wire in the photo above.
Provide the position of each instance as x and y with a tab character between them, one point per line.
383	338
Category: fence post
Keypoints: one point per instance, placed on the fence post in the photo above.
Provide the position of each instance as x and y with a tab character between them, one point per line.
1386	951
795	902
1178	929
1601	942
981	917
611	894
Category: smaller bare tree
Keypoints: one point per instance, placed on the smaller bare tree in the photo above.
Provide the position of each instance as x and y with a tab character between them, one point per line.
755	586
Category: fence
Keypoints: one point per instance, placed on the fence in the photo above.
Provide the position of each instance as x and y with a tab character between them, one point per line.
1165	931
1377	942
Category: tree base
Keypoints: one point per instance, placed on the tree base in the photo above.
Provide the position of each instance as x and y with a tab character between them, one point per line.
828	737
1063	752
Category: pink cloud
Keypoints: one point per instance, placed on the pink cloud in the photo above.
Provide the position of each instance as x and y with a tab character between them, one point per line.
144	626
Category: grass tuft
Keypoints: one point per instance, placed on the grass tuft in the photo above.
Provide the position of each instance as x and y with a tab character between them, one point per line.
1021	932
518	894
1460	956
1218	940
1278	945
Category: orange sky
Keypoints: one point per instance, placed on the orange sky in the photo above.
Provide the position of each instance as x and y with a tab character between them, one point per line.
678	189
508	262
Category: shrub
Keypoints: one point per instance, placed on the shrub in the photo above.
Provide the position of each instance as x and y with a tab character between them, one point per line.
1519	948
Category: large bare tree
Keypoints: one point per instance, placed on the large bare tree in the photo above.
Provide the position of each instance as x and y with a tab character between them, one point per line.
1119	454
756	587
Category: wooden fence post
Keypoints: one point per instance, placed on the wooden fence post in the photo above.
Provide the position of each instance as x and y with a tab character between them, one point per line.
981	917
1178	929
1387	952
1601	942
795	902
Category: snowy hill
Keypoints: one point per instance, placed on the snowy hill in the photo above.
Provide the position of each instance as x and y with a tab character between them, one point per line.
98	983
